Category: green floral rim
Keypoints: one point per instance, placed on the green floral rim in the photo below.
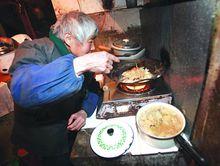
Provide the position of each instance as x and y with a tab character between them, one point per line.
118	145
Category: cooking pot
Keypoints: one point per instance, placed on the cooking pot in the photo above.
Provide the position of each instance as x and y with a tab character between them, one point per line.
151	117
155	67
122	47
127	49
158	136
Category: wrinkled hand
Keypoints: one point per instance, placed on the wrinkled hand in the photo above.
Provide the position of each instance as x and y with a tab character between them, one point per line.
77	120
98	62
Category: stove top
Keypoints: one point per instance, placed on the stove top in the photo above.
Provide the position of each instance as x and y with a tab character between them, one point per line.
113	92
117	103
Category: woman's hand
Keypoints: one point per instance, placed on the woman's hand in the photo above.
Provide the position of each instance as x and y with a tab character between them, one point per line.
98	62
77	120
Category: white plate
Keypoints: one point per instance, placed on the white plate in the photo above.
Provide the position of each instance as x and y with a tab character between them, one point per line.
109	146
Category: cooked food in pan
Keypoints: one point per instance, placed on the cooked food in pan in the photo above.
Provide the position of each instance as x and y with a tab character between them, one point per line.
136	74
161	121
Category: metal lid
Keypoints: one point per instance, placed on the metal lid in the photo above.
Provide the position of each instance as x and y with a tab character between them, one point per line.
125	44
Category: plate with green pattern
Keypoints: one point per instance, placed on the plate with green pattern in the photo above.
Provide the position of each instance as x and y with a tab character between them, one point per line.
111	138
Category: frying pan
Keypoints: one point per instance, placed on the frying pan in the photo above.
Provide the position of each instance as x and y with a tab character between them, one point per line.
154	66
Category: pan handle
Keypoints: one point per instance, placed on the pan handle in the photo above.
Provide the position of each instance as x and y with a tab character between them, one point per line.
189	148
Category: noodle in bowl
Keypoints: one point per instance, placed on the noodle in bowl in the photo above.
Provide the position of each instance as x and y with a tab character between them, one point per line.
158	123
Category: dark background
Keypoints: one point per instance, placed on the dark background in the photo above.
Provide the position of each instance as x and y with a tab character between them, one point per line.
32	17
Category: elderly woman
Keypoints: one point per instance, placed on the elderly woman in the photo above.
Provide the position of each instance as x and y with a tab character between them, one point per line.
54	89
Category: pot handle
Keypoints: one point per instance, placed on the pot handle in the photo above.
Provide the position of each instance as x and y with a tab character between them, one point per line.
189	148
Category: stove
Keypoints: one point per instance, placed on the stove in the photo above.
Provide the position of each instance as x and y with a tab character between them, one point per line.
118	102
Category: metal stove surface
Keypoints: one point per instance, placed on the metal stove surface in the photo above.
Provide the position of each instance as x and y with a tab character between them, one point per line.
118	104
112	92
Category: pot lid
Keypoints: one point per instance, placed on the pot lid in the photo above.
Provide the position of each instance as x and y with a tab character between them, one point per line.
125	44
111	138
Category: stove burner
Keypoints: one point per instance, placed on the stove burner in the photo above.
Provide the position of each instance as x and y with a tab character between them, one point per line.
137	89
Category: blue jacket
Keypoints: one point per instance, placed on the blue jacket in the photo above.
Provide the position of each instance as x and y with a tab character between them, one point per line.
39	79
46	91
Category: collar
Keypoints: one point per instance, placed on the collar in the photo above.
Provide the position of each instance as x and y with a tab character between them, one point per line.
59	44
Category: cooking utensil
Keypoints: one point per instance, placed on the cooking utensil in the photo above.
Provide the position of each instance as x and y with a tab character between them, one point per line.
152	120
132	57
125	56
155	68
171	140
125	49
127	46
141	80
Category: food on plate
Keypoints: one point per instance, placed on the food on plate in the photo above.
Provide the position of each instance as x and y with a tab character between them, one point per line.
136	74
161	121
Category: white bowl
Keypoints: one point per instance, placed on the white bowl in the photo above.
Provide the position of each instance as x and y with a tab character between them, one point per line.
164	138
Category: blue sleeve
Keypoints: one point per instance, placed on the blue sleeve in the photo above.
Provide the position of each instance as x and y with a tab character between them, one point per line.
90	103
33	85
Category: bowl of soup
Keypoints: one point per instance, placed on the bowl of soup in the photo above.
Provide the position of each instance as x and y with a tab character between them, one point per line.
158	123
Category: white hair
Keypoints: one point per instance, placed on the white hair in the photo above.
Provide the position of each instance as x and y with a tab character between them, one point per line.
76	23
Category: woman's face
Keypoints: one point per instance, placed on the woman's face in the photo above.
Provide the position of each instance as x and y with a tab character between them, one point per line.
78	48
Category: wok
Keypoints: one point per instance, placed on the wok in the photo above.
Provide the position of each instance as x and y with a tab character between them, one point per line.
155	67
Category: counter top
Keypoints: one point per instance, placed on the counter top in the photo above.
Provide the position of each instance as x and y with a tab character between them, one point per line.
83	155
138	146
